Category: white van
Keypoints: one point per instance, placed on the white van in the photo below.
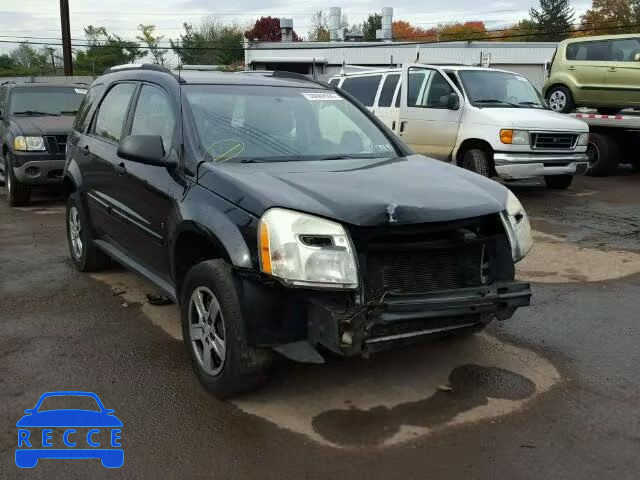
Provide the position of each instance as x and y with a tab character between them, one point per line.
490	121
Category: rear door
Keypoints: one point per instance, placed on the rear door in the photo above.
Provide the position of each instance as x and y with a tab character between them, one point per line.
142	198
426	122
385	109
624	73
589	64
97	150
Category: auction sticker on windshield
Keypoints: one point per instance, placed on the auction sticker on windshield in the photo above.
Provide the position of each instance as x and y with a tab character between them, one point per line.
92	431
316	96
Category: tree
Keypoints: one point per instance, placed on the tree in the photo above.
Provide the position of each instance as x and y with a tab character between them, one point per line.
27	57
553	20
267	29
462	31
213	43
608	16
319	31
105	50
148	37
370	25
404	31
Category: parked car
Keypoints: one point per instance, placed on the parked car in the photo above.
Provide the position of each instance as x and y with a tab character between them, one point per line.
281	215
492	122
34	121
601	72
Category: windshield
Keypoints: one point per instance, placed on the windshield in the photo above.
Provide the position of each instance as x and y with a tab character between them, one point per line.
265	124
46	100
67	402
486	88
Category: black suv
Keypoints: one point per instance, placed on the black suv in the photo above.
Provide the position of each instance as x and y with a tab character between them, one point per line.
282	215
35	119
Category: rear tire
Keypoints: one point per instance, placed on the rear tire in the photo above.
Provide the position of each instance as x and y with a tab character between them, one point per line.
477	160
560	99
558	182
214	334
85	255
18	193
604	153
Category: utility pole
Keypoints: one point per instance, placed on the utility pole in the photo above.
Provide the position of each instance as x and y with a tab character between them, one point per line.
66	37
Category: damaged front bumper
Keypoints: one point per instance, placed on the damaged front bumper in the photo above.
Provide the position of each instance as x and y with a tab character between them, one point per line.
295	322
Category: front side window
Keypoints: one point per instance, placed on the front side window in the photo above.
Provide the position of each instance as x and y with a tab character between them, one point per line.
264	124
154	115
113	110
589	51
362	88
490	88
427	89
82	118
625	49
45	100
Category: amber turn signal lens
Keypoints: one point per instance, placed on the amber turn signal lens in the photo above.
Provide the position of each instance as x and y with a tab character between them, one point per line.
506	136
265	254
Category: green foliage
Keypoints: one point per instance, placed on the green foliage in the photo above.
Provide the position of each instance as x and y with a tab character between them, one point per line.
104	51
152	41
554	20
370	25
25	60
213	43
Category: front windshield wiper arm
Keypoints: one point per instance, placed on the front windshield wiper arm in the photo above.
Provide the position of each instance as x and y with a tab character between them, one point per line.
338	157
494	100
68	112
528	103
35	112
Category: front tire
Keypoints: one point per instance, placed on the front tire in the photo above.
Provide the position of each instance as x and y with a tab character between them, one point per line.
18	193
214	334
477	160
560	99
85	255
603	152
558	182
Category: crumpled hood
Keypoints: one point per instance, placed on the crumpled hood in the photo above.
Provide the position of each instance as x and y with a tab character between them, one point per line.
360	192
38	126
528	119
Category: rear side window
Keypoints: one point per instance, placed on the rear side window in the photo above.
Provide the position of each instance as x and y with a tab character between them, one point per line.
388	89
625	49
83	118
589	51
363	88
154	115
113	110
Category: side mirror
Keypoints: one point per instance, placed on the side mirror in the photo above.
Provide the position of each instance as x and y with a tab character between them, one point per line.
453	102
147	149
636	57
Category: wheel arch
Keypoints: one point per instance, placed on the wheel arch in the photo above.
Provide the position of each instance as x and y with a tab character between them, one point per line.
471	143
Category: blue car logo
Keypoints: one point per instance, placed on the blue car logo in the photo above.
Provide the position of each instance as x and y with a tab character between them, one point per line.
83	433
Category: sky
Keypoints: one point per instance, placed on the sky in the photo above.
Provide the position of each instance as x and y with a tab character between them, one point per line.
41	18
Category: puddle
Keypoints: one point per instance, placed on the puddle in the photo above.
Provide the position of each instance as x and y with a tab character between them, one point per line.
554	260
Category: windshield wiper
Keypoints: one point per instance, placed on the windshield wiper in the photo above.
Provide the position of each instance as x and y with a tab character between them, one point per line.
338	157
68	112
494	100
35	112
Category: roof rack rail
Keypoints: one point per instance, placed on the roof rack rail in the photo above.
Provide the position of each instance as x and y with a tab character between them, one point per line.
285	74
201	68
137	66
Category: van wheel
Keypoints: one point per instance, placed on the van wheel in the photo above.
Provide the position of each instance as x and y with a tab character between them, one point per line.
214	334
85	255
558	182
18	193
560	99
477	160
603	153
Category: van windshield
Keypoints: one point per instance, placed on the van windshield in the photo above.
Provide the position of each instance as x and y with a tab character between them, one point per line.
248	123
486	89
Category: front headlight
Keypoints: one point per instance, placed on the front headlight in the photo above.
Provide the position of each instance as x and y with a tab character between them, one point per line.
583	139
516	223
514	137
31	144
305	250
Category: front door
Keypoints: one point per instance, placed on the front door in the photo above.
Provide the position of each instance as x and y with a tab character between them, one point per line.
624	73
428	122
143	199
589	64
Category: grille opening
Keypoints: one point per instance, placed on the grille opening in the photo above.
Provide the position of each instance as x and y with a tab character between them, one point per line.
553	141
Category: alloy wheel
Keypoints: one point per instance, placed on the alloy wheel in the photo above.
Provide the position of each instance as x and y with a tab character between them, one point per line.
206	330
75	228
557	101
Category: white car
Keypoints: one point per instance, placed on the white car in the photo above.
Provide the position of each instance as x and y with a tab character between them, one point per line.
490	121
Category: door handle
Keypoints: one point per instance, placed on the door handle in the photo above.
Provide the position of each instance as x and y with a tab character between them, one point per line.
402	125
611	69
571	68
121	169
393	125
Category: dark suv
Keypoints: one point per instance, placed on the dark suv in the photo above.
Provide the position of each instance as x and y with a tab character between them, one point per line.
35	119
282	215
